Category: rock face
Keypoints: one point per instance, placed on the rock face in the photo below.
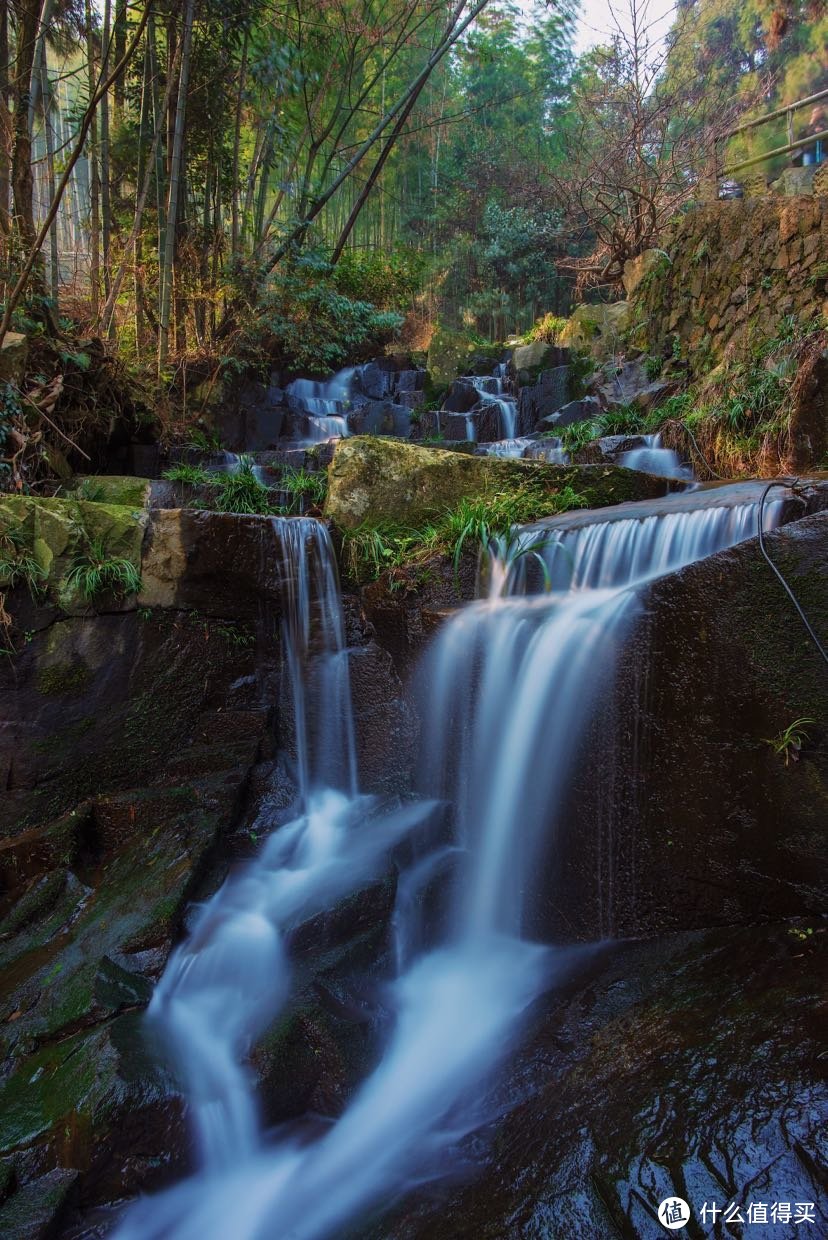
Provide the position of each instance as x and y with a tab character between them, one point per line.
136	745
584	410
733	266
681	1067
546	396
378	480
718	666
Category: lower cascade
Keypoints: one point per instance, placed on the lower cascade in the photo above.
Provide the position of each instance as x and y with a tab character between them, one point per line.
509	686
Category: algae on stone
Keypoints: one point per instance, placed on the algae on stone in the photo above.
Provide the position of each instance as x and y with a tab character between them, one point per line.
373	481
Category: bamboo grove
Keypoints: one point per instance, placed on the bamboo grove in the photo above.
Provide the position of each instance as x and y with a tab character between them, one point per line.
207	177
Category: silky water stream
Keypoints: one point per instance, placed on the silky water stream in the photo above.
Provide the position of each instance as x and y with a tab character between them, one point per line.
508	687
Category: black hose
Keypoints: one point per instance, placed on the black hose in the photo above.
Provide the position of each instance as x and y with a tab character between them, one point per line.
790	485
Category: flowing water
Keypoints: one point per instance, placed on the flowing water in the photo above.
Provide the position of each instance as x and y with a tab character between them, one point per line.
653	459
324	402
509	687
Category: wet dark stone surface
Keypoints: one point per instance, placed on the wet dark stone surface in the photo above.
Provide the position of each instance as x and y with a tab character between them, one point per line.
689	1066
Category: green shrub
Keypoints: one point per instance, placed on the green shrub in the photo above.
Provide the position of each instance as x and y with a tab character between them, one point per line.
303	320
242	493
94	571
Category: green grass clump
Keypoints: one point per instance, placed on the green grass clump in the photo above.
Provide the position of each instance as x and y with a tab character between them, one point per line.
242	493
193	475
302	484
94	571
371	550
17	565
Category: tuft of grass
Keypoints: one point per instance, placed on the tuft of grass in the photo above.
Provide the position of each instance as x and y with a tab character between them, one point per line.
193	475
370	550
18	566
788	743
242	493
305	484
94	571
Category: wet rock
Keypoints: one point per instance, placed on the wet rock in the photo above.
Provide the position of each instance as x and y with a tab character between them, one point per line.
609	448
33	1213
409	381
381	417
462	396
585	410
376	383
545	397
379	480
677	1067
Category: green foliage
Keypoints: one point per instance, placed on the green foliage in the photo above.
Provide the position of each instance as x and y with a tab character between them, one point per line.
548	329
302	484
653	367
203	441
193	475
94	571
17	565
788	743
389	281
304	321
242	493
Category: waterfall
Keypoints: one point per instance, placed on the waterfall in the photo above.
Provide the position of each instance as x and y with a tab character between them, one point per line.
324	403
653	459
509	685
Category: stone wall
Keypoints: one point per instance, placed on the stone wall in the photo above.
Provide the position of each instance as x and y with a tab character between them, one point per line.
734	267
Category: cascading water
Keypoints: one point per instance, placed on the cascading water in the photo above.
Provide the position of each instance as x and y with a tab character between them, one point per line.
324	403
512	683
653	459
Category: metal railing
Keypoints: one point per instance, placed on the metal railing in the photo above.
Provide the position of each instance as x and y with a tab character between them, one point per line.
790	146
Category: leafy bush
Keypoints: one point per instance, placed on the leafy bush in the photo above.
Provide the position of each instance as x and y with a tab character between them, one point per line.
306	323
548	329
389	281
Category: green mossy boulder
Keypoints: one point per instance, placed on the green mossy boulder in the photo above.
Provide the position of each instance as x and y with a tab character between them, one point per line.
52	532
122	489
450	354
372	481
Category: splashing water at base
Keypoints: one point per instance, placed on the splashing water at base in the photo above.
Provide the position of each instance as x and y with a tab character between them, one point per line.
513	682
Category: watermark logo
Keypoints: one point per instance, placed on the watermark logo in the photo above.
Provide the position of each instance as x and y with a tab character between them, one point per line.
673	1213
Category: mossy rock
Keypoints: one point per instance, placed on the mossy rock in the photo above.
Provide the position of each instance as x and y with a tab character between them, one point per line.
450	354
372	481
121	489
52	532
599	328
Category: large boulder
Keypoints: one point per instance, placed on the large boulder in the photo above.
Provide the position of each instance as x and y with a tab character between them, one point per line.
546	396
639	268
372	481
599	328
529	360
450	354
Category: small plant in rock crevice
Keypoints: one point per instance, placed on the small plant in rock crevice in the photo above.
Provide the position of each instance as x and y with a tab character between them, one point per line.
302	484
95	571
788	743
192	475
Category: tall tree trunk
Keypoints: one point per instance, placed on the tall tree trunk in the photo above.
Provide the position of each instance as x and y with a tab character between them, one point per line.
28	18
234	200
48	102
5	122
119	46
94	176
175	179
106	180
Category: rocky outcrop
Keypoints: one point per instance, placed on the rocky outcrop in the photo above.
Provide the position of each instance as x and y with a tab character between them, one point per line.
380	480
136	745
682	1067
733	268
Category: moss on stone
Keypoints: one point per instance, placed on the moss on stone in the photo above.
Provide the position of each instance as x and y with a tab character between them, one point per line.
123	490
373	481
63	678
